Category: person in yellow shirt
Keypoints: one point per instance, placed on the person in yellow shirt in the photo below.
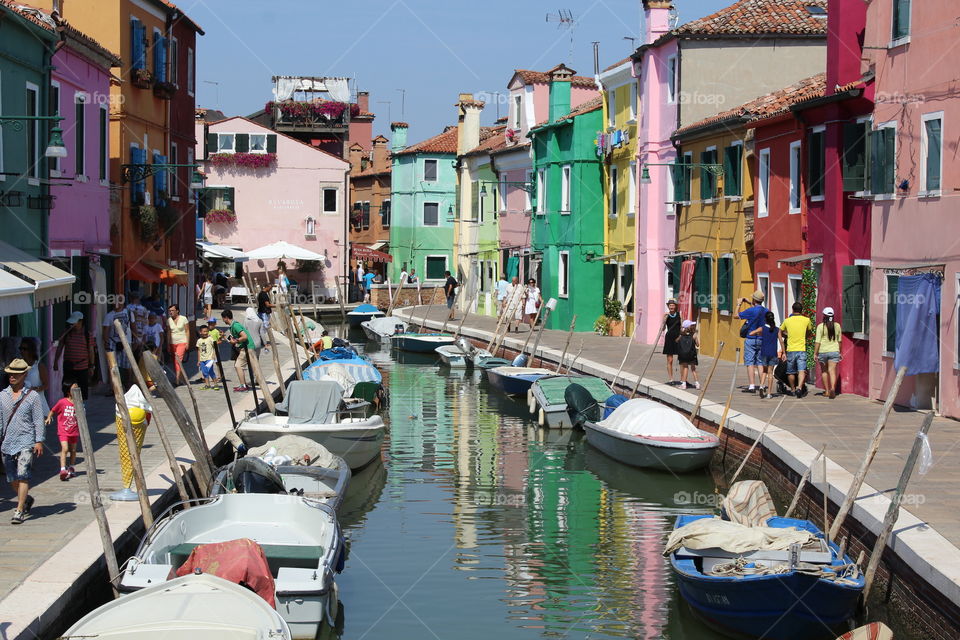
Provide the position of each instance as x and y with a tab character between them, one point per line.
206	358
793	341
826	351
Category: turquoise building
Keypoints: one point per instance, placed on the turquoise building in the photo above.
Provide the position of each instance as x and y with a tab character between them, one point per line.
568	224
423	197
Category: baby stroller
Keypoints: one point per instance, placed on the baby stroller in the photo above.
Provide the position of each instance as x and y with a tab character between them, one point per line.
783	382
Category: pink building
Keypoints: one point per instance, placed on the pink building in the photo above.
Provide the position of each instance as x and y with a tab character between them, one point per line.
263	187
529	106
915	268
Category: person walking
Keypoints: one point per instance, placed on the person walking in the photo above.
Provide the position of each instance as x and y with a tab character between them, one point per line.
672	328
76	347
514	304
793	341
769	353
22	436
752	320
206	359
111	338
532	303
68	433
205	295
243	342
368	279
826	351
688	346
450	290
502	287
264	311
178	339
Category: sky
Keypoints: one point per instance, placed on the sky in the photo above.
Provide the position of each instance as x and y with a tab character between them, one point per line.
413	56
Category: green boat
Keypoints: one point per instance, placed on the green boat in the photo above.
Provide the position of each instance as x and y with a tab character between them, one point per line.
546	398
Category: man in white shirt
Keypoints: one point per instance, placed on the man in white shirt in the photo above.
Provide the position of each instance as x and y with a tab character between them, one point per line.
502	288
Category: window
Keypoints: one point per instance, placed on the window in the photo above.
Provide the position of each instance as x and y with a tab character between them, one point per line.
311	229
541	191
795	177
703	283
565	189
633	101
429	170
219	198
763	284
364	214
708	179
856	150
778	303
614	188
682	175
732	170
883	163
138	45
160	178
816	162
2	177
563	275
32	129
502	186
931	154
855	300
901	19
672	79
763	184
226	143
174	172
890	344
191	73
626	287
104	148
611	108
431	214
79	134
330	200
436	267
385	214
138	188
54	110
793	291
174	62
517	110
632	189
258	143
725	283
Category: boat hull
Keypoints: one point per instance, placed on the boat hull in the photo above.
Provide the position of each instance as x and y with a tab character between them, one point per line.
356	319
356	440
650	453
452	356
512	385
425	343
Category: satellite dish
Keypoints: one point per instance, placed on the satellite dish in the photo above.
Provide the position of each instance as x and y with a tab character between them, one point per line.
674	17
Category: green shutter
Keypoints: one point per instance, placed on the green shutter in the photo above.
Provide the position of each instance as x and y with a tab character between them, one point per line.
855	156
731	171
211	145
934	141
725	284
893	283
241	142
677	268
708	188
865	276
852	301
271	143
677	174
704	283
230	199
883	164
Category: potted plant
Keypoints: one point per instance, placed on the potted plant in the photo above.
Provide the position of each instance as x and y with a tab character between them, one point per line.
142	78
149	222
611	322
164	90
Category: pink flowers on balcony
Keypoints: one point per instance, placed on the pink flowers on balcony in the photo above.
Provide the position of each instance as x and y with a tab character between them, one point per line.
245	160
221	215
312	112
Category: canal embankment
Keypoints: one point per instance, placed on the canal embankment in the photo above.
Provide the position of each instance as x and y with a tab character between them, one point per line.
920	570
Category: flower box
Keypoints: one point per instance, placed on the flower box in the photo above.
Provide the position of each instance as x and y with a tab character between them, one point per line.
225	216
164	90
142	78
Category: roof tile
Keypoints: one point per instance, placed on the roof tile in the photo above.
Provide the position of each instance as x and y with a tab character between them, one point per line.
542	77
757	17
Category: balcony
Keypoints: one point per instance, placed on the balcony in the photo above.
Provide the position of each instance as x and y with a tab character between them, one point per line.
319	116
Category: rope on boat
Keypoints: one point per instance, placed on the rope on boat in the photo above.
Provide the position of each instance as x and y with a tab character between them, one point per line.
846	574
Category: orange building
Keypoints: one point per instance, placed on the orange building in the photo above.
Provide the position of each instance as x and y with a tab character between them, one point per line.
370	206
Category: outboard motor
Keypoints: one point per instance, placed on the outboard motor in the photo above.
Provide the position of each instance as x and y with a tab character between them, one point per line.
253	475
464	345
581	405
520	360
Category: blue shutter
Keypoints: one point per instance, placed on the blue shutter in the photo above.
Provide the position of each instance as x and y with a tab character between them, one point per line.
135	60
160	57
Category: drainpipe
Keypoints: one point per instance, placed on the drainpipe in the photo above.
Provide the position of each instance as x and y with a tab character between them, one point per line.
346	231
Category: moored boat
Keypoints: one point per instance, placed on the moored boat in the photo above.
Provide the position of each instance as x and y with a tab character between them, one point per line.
192	606
515	381
363	313
547	398
421	342
381	329
644	433
452	356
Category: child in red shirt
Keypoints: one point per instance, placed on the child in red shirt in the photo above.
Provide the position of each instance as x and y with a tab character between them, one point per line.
68	433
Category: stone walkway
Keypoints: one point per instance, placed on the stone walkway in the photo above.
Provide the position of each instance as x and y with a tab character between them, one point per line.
844	424
62	508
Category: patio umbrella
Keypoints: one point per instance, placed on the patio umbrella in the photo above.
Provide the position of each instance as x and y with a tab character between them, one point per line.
283	251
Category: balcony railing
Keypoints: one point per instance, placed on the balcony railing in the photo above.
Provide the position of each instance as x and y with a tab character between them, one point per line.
313	116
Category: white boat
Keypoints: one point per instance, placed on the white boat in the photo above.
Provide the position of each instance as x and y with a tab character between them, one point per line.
547	398
382	329
469	355
314	411
362	314
644	433
299	537
194	606
421	342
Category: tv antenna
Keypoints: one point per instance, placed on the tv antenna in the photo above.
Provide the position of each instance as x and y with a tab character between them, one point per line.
565	20
674	18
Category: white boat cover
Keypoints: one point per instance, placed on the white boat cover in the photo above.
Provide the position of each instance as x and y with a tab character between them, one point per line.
748	502
298	448
346	373
647	418
522	371
386	326
312	401
714	533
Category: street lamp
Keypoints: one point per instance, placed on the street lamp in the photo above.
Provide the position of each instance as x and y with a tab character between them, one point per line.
55	147
197	180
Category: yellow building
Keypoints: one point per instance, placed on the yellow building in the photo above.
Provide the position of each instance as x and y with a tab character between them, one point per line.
617	145
715	225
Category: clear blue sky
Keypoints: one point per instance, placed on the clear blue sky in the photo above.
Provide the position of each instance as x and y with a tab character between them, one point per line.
432	49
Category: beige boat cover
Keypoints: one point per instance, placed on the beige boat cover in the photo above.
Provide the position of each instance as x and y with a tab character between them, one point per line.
714	533
304	451
749	503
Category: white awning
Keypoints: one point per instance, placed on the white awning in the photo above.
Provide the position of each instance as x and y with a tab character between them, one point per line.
51	284
210	250
14	295
376	246
284	251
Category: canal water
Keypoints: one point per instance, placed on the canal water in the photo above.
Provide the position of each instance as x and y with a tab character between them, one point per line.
480	525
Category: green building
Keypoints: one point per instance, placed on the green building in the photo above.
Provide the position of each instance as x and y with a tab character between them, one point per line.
568	224
422	197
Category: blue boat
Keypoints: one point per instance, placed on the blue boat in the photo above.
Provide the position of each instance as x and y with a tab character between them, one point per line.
363	313
516	381
421	342
797	603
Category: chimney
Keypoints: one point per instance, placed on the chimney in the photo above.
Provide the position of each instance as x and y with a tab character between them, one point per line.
356	155
399	130
656	15
381	156
363	101
846	25
468	121
560	77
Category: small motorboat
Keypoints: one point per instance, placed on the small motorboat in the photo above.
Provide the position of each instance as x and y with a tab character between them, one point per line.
547	401
756	574
286	548
315	410
644	433
452	356
193	606
363	313
492	362
421	342
515	381
291	464
381	329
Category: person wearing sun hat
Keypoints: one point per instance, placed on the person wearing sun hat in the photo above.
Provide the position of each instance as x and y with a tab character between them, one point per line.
22	422
826	351
753	317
